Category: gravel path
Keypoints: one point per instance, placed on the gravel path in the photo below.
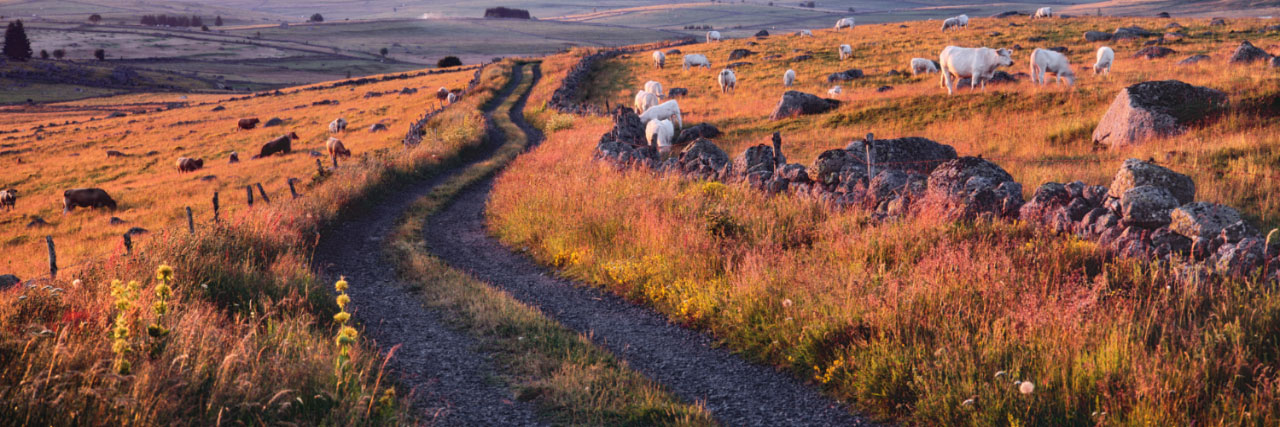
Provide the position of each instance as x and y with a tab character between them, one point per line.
453	383
735	391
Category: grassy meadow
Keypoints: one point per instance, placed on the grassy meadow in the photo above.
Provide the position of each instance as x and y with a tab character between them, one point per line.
244	336
920	320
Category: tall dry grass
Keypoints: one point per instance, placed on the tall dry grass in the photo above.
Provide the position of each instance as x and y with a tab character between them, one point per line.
919	320
251	340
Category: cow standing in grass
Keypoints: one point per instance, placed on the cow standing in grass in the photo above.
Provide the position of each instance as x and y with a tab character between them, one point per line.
8	199
978	64
86	198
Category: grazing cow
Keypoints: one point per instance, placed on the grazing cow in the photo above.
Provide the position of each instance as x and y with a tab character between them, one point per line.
677	91
1044	12
654	87
834	91
442	94
922	65
8	199
844	23
950	23
338	125
187	164
663	111
713	36
806	33
234	158
846	52
86	198
1048	61
247	124
1105	57
789	77
453	97
964	20
978	64
283	145
727	80
696	60
659	134
336	149
645	100
659	59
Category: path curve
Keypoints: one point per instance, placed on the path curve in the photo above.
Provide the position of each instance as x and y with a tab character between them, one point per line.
453	382
735	391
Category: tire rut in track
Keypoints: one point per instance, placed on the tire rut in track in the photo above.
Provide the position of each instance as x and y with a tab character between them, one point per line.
453	382
735	391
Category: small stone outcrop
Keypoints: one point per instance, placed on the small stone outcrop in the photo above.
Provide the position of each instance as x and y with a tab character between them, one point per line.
1155	109
1248	53
971	187
795	103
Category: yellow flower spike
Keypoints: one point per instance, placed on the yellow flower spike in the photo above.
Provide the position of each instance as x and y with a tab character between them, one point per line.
349	332
342	317
341	285
164	272
343	300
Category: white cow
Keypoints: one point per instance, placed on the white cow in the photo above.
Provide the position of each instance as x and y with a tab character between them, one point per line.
660	133
663	111
727	80
789	77
659	59
1048	61
452	98
922	65
961	21
978	64
1105	57
846	52
834	91
806	33
696	60
1043	12
964	20
844	23
713	36
655	88
645	100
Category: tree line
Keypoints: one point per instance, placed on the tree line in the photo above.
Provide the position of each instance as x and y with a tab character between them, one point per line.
172	21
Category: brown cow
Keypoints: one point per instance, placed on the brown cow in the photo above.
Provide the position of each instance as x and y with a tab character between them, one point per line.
186	164
442	95
283	144
8	199
234	158
247	124
86	198
336	149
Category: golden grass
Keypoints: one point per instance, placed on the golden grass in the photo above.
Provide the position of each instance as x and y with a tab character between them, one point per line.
251	340
919	320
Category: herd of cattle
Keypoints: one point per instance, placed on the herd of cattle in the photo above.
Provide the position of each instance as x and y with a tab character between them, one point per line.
283	144
977	64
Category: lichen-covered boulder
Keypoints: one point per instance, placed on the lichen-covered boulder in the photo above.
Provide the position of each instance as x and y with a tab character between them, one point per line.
1202	220
704	160
910	154
1096	36
1146	206
1155	109
1247	53
970	187
755	163
796	103
701	130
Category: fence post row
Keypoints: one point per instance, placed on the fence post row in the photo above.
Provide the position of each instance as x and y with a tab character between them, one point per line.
265	199
292	191
248	192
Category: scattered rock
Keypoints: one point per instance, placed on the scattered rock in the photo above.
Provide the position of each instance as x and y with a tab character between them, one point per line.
218	108
1007	14
117	221
1038	39
136	231
845	75
735	65
704	160
1156	108
1247	53
115	114
1162	15
377	127
274	121
762	33
1193	59
755	164
796	103
1060	49
37	222
801	58
737	54
1153	52
673	51
1241	258
1217	22
913	153
1096	36
8	281
1175	36
884	88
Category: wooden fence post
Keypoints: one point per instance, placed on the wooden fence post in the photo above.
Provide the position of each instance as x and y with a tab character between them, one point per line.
248	192
871	173
191	223
128	244
292	191
215	206
319	167
777	149
263	193
53	258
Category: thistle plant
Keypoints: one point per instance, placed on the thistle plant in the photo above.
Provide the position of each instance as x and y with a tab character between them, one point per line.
346	335
124	295
164	276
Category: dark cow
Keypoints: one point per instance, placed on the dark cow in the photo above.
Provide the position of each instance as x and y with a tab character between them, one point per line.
247	124
114	153
8	199
442	94
234	158
283	144
86	198
186	164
